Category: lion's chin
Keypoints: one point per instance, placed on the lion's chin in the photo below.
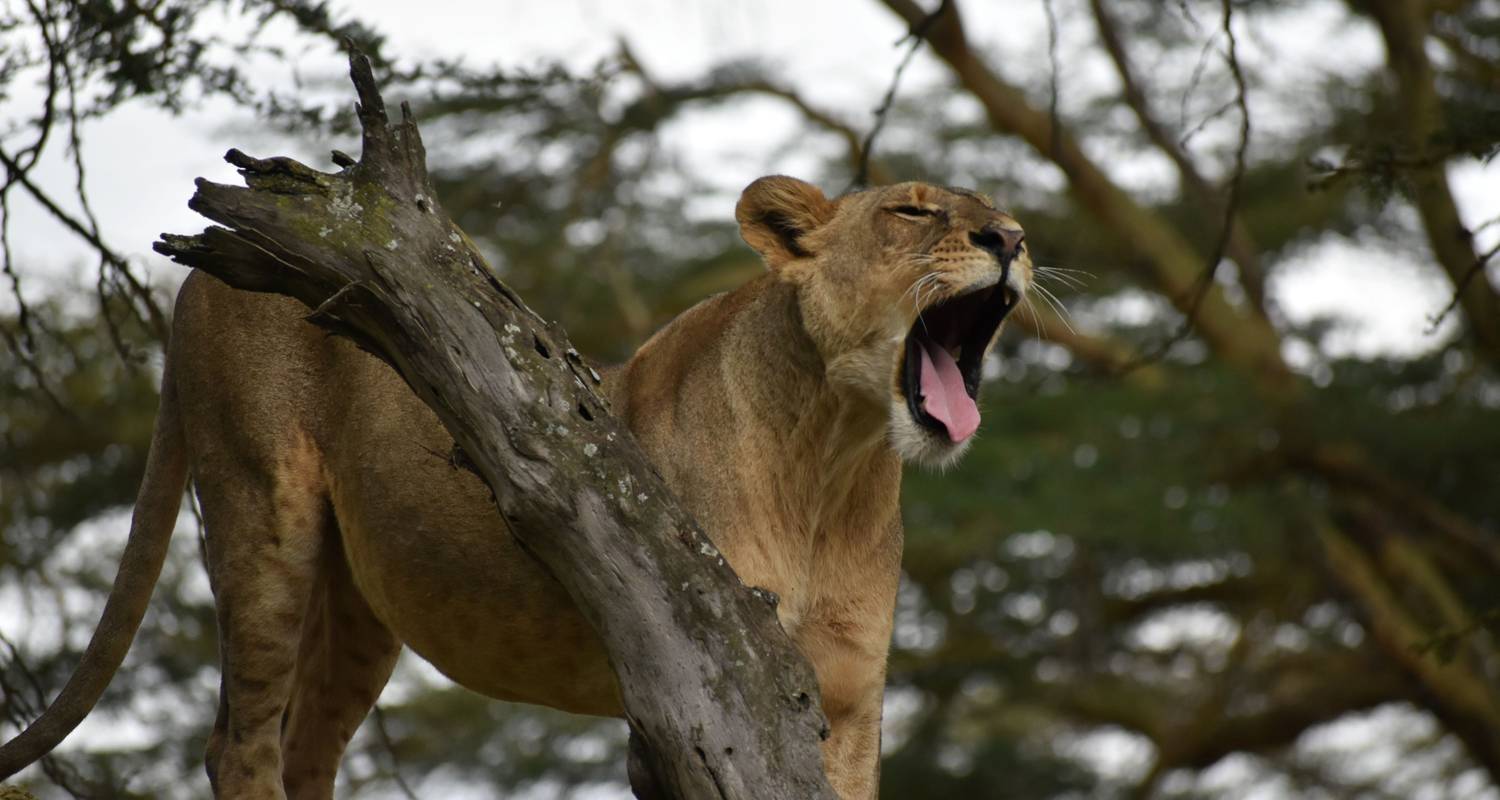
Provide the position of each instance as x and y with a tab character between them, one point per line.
917	444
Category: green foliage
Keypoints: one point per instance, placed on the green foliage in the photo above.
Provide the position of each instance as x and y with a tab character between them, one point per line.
1120	562
74	433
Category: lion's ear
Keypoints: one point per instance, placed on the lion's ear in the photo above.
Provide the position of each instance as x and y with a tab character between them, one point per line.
775	213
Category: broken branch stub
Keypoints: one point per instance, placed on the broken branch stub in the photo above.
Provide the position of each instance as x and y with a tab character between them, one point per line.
721	703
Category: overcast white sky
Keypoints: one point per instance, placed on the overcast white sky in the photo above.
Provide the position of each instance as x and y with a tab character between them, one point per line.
840	53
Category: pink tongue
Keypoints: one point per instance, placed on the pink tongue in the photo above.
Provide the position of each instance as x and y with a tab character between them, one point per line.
943	394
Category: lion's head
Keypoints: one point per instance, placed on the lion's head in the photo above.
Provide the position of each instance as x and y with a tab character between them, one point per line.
903	289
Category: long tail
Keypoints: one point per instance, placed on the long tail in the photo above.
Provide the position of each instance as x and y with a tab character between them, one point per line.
156	508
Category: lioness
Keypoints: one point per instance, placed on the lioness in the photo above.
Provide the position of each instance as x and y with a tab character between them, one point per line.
779	413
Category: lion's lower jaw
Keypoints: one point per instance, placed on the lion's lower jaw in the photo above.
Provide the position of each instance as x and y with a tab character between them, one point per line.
917	445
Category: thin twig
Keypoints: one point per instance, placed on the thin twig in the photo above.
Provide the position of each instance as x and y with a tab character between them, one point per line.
8	267
1208	119
1192	87
80	187
157	317
1205	280
1242	248
1056	129
1444	644
915	36
21	704
325	308
1463	283
49	107
29	155
1187	13
390	749
29	362
1380	163
24	345
713	89
39	694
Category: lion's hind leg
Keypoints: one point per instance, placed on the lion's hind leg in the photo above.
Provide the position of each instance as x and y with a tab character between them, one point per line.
346	657
266	520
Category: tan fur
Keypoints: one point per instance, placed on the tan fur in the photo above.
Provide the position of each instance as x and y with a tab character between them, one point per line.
337	531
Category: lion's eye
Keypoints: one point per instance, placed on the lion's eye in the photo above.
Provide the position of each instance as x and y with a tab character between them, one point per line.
912	212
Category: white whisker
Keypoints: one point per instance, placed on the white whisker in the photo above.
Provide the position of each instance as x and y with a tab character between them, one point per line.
926	281
1057	268
1057	306
931	287
915	288
1036	321
1065	278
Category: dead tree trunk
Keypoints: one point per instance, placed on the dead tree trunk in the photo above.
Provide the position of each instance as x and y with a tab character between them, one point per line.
719	702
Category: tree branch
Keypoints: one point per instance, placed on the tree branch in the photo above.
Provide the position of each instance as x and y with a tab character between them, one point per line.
1292	694
918	31
1404	26
1103	353
1459	695
1246	342
1205	280
1242	246
712	89
19	175
723	704
1346	467
1475	270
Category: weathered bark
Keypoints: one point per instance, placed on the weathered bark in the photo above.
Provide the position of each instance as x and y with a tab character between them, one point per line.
719	701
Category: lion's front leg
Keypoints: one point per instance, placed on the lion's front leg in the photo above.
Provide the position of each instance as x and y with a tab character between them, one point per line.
852	753
851	678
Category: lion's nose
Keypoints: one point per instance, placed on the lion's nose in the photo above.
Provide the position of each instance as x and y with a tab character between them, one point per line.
1005	243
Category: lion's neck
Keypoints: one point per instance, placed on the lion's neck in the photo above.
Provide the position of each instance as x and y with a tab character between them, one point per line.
810	418
792	478
784	470
736	383
832	493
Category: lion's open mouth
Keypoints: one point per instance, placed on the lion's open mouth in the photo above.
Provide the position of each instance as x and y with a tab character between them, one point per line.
944	354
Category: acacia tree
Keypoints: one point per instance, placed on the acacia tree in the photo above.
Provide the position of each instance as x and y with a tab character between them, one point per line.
1324	515
1417	571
